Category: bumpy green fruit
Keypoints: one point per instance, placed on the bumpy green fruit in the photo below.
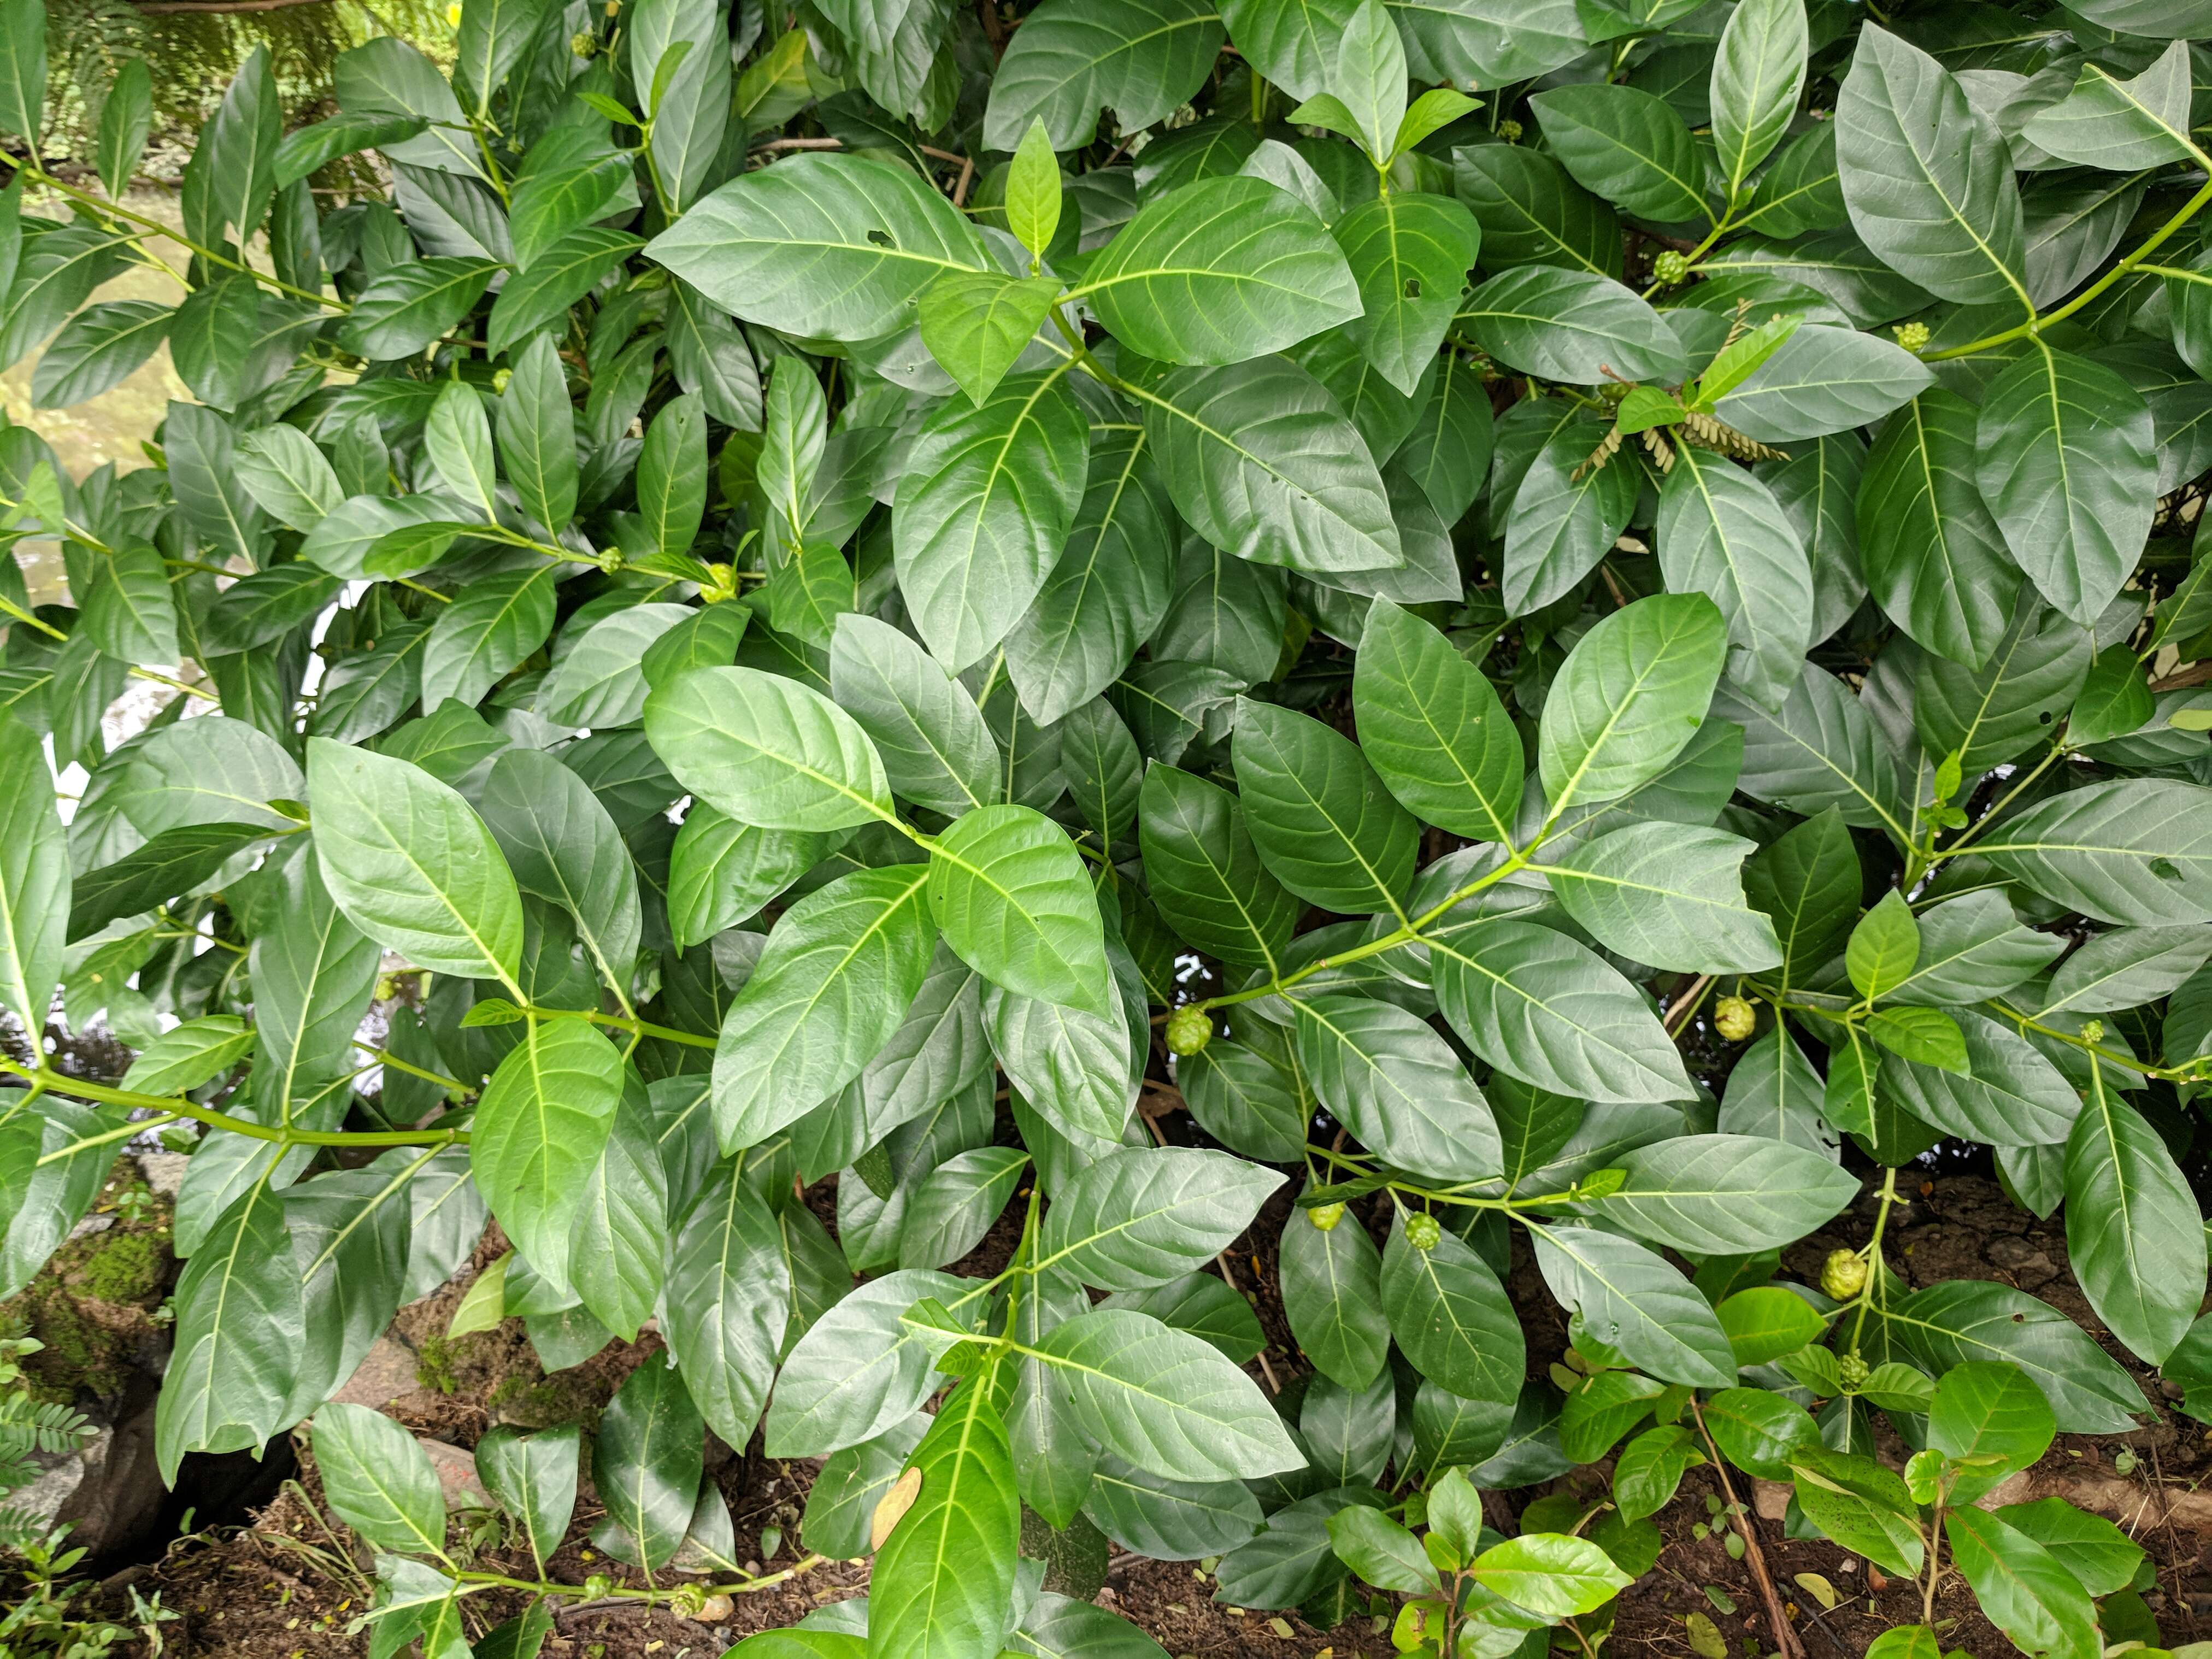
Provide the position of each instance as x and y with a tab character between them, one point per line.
1844	1274
1854	1371
1913	337
1324	1217
1734	1018
1423	1231
1189	1029
1671	268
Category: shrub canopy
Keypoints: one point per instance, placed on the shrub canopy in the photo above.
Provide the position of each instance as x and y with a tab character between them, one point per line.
1582	611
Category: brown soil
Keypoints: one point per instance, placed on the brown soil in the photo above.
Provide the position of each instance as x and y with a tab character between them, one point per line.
285	1589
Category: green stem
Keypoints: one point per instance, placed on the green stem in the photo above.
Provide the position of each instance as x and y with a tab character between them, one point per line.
1870	1291
2059	748
2157	238
136	1127
1407	933
643	1028
391	1062
37	175
176	1106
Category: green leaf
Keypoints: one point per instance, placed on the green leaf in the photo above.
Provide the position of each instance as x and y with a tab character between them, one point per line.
1822	380
1532	213
2120	124
1207	876
1726	1195
486	633
2133	1230
1628	146
1382	1553
1333	1297
1009	891
412	865
1550	1574
1631	695
378	1481
1722	532
1650	1469
1665	893
1955	1321
533	1478
1033	190
1768	1322
564	848
2137	852
1243	1100
1142	57
23	69
293	480
128	610
1822	750
1261	461
1141	1216
936	749
943	1583
1628	1297
1565	514
1864	1507
310	148
834	246
721	872
2114	701
768	750
1926	176
2067	459
1432	727
314	972
1073	1068
2023	1589
1759	1432
976	323
2092	1548
1451	1317
646	1464
35	878
1992	1417
173	863
260	610
1884	947
861	1367
1757	76
1935	559
1540	1007
537	434
1969	948
2007	706
1409	254
1572	326
1109	589
834	982
404	309
1322	819
97	349
1217	273
538	1133
1398	1087
1165	1401
239	1330
185	1056
983	510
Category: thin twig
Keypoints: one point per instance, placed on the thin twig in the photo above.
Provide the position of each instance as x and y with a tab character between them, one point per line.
1785	1637
1229	1277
